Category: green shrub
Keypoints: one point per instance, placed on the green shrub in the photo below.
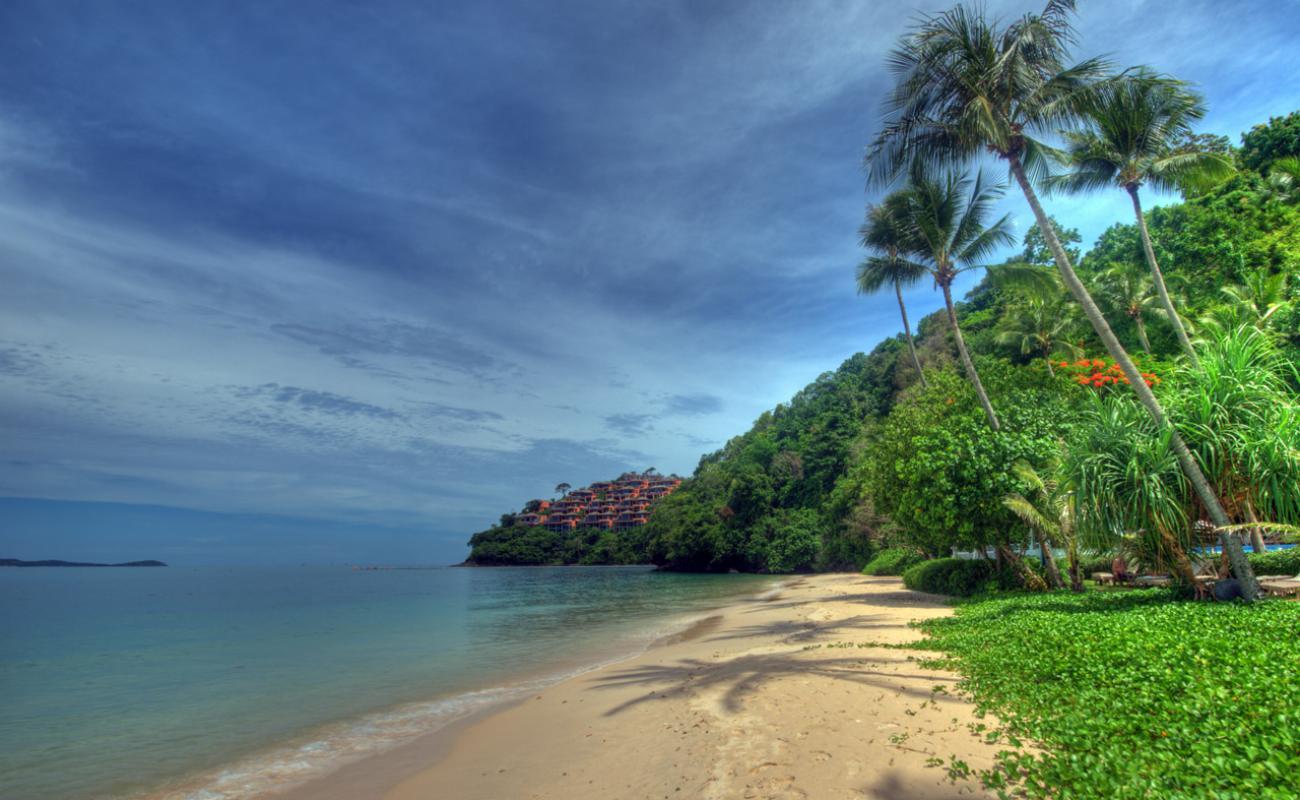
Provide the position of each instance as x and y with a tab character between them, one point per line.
1277	562
892	561
959	577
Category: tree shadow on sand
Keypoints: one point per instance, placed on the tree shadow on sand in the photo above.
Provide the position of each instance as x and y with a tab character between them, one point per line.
795	631
895	785
744	675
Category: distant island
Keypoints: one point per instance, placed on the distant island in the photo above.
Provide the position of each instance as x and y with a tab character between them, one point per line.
18	562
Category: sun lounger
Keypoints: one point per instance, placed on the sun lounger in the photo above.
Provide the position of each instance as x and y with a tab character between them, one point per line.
1280	586
1151	580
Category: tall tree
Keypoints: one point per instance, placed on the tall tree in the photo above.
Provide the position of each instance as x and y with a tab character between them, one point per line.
969	86
1129	292
1036	250
887	233
1137	135
948	216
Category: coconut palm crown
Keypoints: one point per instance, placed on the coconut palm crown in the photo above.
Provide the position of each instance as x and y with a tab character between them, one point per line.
887	233
1135	126
949	216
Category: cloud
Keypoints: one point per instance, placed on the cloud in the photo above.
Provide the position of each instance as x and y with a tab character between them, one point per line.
630	424
18	361
462	414
319	402
393	338
452	257
692	405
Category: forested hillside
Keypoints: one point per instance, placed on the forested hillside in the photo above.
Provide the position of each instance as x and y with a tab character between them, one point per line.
866	456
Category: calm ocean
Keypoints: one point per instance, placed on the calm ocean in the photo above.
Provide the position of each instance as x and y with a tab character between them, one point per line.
214	682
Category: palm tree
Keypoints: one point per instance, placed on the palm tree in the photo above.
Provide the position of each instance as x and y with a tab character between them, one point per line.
1041	326
1284	180
966	87
947	217
1134	138
1254	302
887	233
1129	291
1049	513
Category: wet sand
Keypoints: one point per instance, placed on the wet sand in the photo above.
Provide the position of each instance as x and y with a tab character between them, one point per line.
770	698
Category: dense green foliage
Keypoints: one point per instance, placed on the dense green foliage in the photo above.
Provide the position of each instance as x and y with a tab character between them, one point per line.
1277	562
866	458
892	561
939	472
1264	144
517	545
958	577
1131	694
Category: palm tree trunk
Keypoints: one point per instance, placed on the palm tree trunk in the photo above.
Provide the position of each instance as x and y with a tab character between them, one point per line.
907	329
1142	334
965	359
1027	576
1047	359
1256	534
1049	564
1159	279
1076	572
1208	497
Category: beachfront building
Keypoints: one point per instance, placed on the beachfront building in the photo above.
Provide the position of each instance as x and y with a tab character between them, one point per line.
619	504
559	523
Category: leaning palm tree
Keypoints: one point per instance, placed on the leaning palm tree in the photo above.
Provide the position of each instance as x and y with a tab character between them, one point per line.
947	215
1049	512
1130	292
968	86
886	232
1135	127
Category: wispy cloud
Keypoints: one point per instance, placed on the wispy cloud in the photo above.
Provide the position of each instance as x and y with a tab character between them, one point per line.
413	263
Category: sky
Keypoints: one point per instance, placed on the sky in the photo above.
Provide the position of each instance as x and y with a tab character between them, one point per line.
342	282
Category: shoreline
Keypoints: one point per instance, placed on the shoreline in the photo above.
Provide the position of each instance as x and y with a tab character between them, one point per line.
370	749
782	695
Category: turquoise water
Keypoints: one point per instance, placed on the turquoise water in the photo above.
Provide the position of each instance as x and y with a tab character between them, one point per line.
217	682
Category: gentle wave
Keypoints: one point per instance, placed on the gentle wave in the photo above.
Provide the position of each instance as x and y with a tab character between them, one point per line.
331	747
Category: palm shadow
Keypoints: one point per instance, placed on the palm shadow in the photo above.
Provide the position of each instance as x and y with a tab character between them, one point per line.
744	675
794	631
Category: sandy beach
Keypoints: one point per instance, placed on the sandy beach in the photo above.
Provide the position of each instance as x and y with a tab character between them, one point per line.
766	698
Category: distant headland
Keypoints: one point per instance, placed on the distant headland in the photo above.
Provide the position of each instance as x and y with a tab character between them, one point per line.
18	562
591	525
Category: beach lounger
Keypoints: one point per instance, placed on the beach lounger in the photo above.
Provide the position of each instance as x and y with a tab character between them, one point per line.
1280	586
1151	580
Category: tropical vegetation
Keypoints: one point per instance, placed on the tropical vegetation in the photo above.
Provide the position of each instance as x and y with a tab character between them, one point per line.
1129	694
1140	397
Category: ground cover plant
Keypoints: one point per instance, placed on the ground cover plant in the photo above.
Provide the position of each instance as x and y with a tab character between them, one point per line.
1132	694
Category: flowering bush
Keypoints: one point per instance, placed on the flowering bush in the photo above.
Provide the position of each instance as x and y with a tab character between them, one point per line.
1099	373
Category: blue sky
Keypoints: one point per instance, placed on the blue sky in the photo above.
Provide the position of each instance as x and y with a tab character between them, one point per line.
344	281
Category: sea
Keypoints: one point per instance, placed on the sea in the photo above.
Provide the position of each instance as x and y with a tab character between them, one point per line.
208	683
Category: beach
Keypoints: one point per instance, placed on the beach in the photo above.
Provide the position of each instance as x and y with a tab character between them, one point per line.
780	696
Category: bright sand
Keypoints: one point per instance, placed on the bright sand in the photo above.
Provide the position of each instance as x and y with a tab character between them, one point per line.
768	698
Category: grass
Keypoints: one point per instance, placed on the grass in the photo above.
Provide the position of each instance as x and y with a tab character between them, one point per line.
1132	694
